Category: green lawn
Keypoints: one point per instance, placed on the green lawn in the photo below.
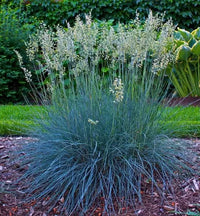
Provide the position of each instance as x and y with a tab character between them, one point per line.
185	121
15	120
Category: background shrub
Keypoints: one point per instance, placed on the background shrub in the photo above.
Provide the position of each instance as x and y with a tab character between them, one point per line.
58	12
185	13
12	37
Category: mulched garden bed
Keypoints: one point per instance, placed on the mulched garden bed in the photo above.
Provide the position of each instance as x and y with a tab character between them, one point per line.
186	193
186	101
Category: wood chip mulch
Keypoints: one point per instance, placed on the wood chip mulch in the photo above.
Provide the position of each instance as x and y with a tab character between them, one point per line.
186	193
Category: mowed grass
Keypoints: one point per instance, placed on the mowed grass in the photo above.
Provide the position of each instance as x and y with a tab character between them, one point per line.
17	119
184	120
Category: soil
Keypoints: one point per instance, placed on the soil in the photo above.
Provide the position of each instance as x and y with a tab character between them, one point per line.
186	192
186	101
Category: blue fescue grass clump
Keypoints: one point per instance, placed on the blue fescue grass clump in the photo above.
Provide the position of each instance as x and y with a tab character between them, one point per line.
91	146
101	136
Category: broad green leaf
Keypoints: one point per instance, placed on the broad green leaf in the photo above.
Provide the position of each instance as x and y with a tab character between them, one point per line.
185	34
178	36
179	43
196	48
183	53
196	33
192	42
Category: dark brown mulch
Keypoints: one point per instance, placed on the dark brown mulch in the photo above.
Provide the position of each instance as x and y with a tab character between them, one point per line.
186	193
186	101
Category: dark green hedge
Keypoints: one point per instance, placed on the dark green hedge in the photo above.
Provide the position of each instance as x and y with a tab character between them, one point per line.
185	13
12	37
